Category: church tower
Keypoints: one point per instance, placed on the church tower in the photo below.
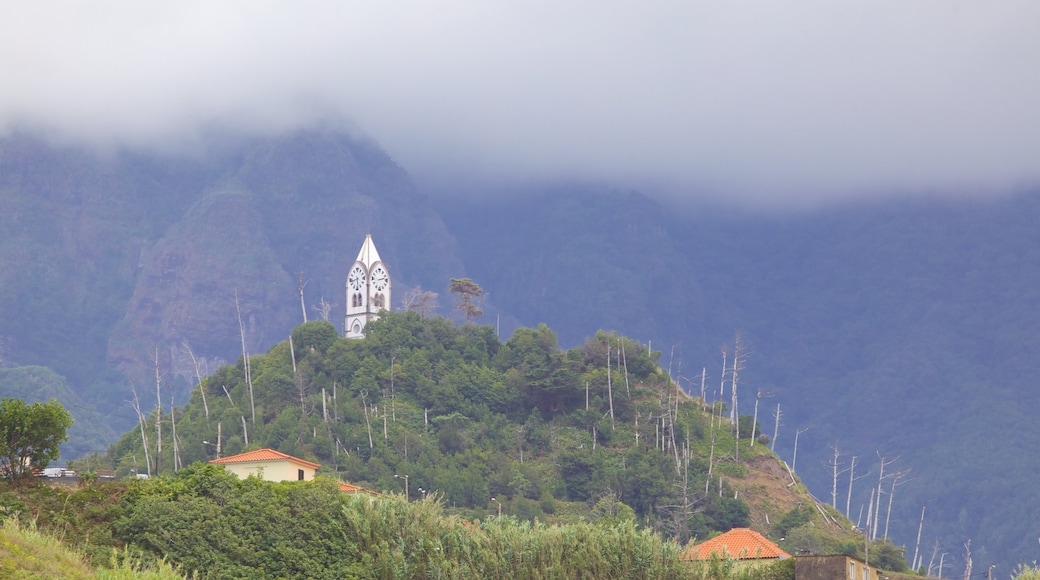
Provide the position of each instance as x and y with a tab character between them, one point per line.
368	290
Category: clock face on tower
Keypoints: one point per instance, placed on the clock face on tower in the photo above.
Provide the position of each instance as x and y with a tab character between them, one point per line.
380	279
356	278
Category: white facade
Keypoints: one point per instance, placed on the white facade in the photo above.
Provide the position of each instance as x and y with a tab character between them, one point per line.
368	290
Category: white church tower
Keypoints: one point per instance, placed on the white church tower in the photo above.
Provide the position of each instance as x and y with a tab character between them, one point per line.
368	290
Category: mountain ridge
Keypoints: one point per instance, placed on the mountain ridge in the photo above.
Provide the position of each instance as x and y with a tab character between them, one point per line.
901	329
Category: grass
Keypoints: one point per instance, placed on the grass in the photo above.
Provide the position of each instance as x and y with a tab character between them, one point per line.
26	552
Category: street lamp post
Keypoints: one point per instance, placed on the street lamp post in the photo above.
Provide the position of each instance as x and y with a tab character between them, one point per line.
405	486
499	507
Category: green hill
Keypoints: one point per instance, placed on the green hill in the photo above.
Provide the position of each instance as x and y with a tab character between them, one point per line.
426	408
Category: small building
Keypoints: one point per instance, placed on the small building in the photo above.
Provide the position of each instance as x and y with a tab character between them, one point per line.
834	567
737	544
269	465
749	548
351	488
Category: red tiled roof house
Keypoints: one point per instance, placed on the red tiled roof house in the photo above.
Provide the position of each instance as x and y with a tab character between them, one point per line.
748	547
269	465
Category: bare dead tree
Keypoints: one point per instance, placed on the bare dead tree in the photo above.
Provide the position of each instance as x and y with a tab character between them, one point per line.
142	421
794	460
870	518
421	301
198	378
173	432
624	359
324	308
931	560
245	358
722	379
896	477
881	479
158	414
303	306
967	560
738	365
245	430
301	389
610	392
754	421
852	478
834	480
393	393
914	564
776	430
368	424
704	375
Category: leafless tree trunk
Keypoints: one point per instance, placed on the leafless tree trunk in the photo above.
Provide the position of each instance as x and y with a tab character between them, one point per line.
834	480
624	359
967	560
368	424
754	421
891	494
245	358
420	301
142	421
734	414
877	508
300	389
158	415
931	561
393	393
852	478
198	378
704	375
610	392
917	545
245	431
173	432
776	429
520	442
870	517
303	306
323	308
794	460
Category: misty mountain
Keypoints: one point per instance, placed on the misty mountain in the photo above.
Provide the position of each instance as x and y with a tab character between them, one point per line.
904	330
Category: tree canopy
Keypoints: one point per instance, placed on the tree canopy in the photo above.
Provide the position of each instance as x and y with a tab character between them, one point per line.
31	435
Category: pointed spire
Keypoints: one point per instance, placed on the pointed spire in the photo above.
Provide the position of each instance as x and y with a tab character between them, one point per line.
368	254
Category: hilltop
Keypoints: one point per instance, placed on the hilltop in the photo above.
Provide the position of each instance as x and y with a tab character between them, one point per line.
422	407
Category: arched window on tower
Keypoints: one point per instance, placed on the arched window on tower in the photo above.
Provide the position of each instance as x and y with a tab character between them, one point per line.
378	300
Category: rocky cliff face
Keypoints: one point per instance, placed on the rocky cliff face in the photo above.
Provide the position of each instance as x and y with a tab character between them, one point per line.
111	260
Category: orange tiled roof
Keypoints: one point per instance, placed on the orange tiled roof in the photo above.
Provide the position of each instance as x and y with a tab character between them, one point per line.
739	544
351	488
264	455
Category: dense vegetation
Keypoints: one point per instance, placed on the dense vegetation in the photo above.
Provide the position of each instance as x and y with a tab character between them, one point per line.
423	406
901	328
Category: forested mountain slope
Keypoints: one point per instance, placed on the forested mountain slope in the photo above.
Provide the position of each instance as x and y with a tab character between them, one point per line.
111	261
421	406
905	330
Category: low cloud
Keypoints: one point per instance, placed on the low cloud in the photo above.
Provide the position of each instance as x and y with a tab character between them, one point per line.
765	103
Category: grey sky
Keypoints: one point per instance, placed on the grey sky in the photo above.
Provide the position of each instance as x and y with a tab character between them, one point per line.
767	102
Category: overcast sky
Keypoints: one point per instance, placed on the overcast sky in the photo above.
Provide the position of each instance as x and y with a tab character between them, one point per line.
766	102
